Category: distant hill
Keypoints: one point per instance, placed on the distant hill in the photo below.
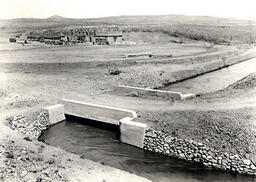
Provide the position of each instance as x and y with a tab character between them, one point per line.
206	28
56	17
56	20
172	19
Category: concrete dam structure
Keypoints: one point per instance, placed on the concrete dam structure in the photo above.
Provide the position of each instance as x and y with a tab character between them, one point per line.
131	132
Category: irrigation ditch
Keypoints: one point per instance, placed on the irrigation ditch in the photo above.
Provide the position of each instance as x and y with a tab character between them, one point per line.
159	145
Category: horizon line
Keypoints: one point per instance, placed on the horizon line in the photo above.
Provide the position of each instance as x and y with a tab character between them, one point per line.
48	17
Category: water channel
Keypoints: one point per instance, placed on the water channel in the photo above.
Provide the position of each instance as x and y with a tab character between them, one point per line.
216	80
102	145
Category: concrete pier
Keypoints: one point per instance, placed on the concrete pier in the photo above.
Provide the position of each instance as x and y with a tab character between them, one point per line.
56	113
132	132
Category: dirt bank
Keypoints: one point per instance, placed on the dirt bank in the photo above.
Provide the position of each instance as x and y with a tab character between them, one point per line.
26	88
160	74
227	127
190	150
23	158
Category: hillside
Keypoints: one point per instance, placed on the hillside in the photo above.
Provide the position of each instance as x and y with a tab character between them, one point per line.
211	29
56	20
172	19
24	24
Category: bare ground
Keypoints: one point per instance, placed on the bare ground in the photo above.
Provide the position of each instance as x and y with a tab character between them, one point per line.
24	159
28	88
223	120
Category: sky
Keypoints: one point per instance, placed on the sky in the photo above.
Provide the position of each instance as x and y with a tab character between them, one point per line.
240	9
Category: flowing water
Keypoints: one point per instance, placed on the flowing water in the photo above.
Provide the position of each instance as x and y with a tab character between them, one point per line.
216	80
102	145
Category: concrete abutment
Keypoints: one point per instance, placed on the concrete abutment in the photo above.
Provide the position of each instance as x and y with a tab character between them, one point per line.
55	113
131	132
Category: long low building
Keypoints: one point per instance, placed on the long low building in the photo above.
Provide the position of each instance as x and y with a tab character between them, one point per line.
94	35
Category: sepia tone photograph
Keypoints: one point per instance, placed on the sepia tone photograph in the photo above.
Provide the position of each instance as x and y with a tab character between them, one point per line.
127	91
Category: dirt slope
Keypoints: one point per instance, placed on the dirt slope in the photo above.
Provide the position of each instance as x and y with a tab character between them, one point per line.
224	120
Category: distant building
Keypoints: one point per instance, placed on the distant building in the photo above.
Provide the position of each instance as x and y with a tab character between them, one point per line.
94	35
107	37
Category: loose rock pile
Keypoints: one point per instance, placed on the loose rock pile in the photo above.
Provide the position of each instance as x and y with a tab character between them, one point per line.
162	143
30	126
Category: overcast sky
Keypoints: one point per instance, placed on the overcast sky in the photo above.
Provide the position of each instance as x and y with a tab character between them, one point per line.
241	9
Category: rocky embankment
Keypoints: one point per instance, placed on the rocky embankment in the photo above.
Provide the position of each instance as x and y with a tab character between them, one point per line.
23	158
31	125
190	150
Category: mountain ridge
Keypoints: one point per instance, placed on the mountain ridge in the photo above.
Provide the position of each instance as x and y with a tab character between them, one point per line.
146	19
57	21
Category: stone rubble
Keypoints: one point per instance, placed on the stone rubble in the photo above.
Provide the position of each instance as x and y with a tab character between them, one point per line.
190	150
158	142
33	128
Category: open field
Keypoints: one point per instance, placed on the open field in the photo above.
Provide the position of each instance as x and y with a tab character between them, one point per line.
88	53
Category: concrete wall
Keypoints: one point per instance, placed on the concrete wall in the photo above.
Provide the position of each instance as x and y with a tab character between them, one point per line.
132	132
152	93
145	92
97	112
187	96
56	113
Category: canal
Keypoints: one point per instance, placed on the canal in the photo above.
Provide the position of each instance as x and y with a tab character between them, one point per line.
216	80
102	145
